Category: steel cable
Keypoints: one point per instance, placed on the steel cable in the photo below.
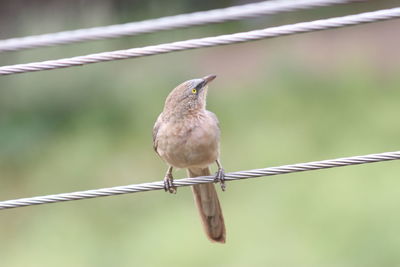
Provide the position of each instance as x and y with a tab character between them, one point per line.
206	42
135	188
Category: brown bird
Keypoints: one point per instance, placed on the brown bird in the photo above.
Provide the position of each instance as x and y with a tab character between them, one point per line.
186	135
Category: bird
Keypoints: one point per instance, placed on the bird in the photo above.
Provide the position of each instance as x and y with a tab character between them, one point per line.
186	135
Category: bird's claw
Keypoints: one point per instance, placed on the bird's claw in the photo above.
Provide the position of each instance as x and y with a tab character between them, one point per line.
220	178
169	184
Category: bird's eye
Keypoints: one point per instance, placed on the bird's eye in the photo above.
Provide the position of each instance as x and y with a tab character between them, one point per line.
194	90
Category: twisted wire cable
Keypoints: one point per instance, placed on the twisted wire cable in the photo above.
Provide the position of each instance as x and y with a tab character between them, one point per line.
302	27
135	188
165	23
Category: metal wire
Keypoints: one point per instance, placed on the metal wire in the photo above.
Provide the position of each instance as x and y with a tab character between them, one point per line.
206	42
135	188
161	24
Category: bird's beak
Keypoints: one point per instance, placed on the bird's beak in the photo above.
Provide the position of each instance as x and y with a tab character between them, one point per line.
209	78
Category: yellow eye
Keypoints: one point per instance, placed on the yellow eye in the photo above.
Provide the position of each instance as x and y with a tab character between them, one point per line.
194	91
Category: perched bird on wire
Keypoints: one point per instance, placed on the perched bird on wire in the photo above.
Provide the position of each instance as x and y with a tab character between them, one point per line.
186	135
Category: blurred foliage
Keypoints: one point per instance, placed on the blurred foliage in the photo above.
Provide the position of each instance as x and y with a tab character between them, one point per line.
280	101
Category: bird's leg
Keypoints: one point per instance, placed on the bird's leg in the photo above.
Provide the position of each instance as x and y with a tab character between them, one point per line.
169	182
220	175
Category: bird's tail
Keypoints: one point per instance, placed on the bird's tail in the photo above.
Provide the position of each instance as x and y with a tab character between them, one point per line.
207	203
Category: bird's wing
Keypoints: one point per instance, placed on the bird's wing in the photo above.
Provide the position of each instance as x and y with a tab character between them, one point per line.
155	131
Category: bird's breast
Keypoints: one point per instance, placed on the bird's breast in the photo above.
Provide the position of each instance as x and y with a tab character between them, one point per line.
191	142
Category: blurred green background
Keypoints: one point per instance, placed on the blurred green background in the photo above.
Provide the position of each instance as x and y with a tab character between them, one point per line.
291	99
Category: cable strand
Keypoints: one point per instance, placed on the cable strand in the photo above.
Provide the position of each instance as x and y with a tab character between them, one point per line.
135	188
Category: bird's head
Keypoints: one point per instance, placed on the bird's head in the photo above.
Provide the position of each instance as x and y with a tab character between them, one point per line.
189	96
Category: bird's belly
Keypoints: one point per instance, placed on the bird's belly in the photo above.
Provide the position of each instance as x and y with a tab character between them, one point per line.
196	147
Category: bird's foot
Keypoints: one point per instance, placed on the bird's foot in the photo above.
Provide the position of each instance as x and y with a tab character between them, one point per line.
220	178
169	183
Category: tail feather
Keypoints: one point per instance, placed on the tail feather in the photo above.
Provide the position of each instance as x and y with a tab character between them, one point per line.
207	203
